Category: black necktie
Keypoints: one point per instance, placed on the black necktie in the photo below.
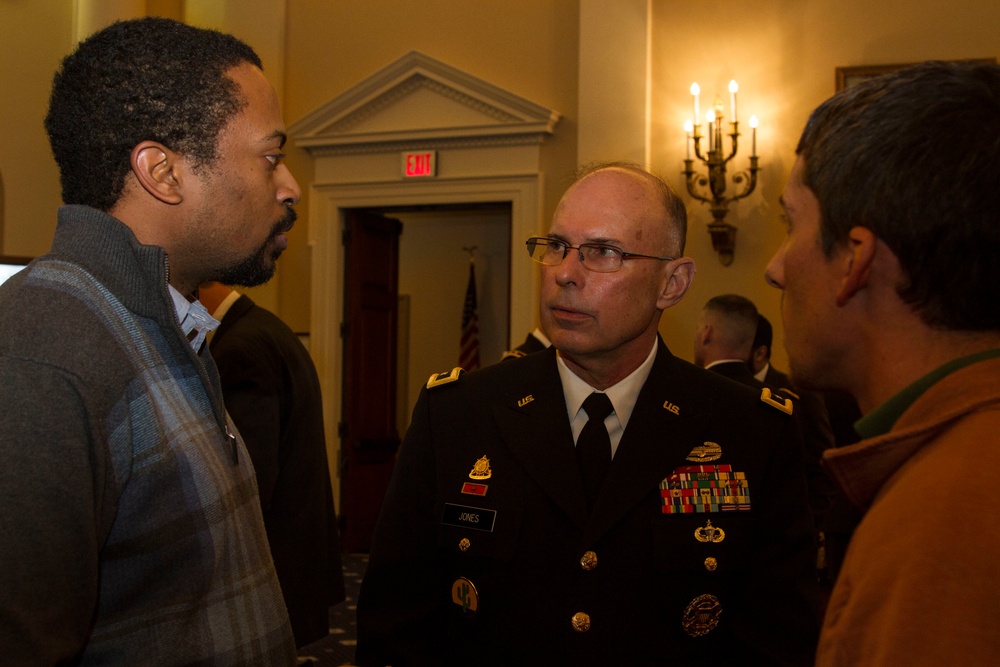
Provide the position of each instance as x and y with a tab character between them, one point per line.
593	447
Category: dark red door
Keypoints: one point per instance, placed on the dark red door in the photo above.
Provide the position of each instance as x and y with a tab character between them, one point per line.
368	431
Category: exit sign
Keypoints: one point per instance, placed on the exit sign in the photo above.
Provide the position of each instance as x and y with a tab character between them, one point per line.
422	164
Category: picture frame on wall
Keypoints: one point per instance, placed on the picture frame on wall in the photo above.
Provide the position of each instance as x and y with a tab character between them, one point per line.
850	76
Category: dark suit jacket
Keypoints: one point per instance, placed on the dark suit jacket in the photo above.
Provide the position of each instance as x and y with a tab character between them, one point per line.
530	345
739	371
519	546
272	392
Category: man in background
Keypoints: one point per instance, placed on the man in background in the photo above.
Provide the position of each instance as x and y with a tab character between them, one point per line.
887	272
535	341
723	338
272	392
131	529
590	504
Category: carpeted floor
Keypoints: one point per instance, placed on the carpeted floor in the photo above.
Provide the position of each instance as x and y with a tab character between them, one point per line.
337	648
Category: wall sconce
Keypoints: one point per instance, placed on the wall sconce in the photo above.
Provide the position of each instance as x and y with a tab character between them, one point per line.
723	234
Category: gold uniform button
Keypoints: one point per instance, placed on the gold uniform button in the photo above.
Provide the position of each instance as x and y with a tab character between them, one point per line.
464	544
711	564
588	561
581	622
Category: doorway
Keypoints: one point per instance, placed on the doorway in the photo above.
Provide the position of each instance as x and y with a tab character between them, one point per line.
405	275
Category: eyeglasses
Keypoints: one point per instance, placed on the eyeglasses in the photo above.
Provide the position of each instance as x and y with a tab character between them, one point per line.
594	256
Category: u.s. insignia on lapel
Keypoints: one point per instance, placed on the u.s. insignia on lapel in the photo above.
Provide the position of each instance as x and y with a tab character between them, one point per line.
481	470
705	488
709	451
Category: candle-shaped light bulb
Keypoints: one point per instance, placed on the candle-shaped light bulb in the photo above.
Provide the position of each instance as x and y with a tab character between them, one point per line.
733	88
688	129
695	92
753	125
710	119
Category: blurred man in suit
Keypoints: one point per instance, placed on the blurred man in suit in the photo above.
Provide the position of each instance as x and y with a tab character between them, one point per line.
536	341
723	338
271	389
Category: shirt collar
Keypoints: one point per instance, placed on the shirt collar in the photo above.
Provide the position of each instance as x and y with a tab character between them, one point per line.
623	395
724	361
193	318
762	373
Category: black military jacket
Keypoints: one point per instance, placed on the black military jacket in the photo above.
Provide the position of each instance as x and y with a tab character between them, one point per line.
484	553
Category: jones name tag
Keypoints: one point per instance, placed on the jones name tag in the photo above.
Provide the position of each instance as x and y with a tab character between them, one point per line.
463	516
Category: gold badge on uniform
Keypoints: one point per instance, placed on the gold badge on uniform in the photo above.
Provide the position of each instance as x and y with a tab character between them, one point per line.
482	469
709	533
524	401
465	595
701	615
709	451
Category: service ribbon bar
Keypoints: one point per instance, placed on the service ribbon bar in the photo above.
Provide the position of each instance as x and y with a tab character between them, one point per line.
704	489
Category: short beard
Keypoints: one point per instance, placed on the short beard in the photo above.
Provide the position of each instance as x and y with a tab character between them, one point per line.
259	267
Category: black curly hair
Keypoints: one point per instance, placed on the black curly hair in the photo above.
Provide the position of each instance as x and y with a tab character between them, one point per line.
148	79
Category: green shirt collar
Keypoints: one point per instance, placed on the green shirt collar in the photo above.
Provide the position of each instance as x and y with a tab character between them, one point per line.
881	420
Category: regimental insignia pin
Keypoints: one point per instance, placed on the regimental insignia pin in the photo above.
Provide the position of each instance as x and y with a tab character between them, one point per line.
524	401
465	595
709	533
709	451
701	615
482	469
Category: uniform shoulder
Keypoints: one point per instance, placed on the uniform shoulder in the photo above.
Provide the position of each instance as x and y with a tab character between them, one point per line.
779	399
441	379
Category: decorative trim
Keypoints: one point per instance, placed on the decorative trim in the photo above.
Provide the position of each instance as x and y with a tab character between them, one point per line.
374	147
507	120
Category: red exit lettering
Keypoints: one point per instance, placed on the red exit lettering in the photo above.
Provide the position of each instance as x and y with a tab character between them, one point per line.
418	164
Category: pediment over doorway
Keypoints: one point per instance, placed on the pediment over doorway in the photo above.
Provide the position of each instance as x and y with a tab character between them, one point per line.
418	101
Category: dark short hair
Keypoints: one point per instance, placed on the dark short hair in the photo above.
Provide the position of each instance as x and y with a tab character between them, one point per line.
149	79
673	205
764	335
740	311
914	156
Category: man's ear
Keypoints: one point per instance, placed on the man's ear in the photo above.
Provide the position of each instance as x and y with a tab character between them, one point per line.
156	168
858	259
677	283
706	334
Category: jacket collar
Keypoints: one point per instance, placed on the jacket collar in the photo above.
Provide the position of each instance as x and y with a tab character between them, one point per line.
862	469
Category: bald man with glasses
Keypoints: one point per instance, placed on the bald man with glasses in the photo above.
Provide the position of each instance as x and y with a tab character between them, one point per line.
599	502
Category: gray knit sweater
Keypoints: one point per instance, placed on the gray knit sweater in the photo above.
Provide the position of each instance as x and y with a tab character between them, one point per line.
130	529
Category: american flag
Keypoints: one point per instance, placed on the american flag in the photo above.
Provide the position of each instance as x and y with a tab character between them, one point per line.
468	356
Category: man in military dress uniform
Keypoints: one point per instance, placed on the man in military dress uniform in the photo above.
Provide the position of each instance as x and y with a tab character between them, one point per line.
674	529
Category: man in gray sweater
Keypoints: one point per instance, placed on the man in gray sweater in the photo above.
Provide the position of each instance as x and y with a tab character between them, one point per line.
131	532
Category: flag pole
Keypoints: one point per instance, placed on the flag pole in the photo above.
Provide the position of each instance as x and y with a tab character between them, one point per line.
468	355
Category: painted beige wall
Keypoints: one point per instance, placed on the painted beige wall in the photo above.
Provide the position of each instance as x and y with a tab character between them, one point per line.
34	37
783	53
